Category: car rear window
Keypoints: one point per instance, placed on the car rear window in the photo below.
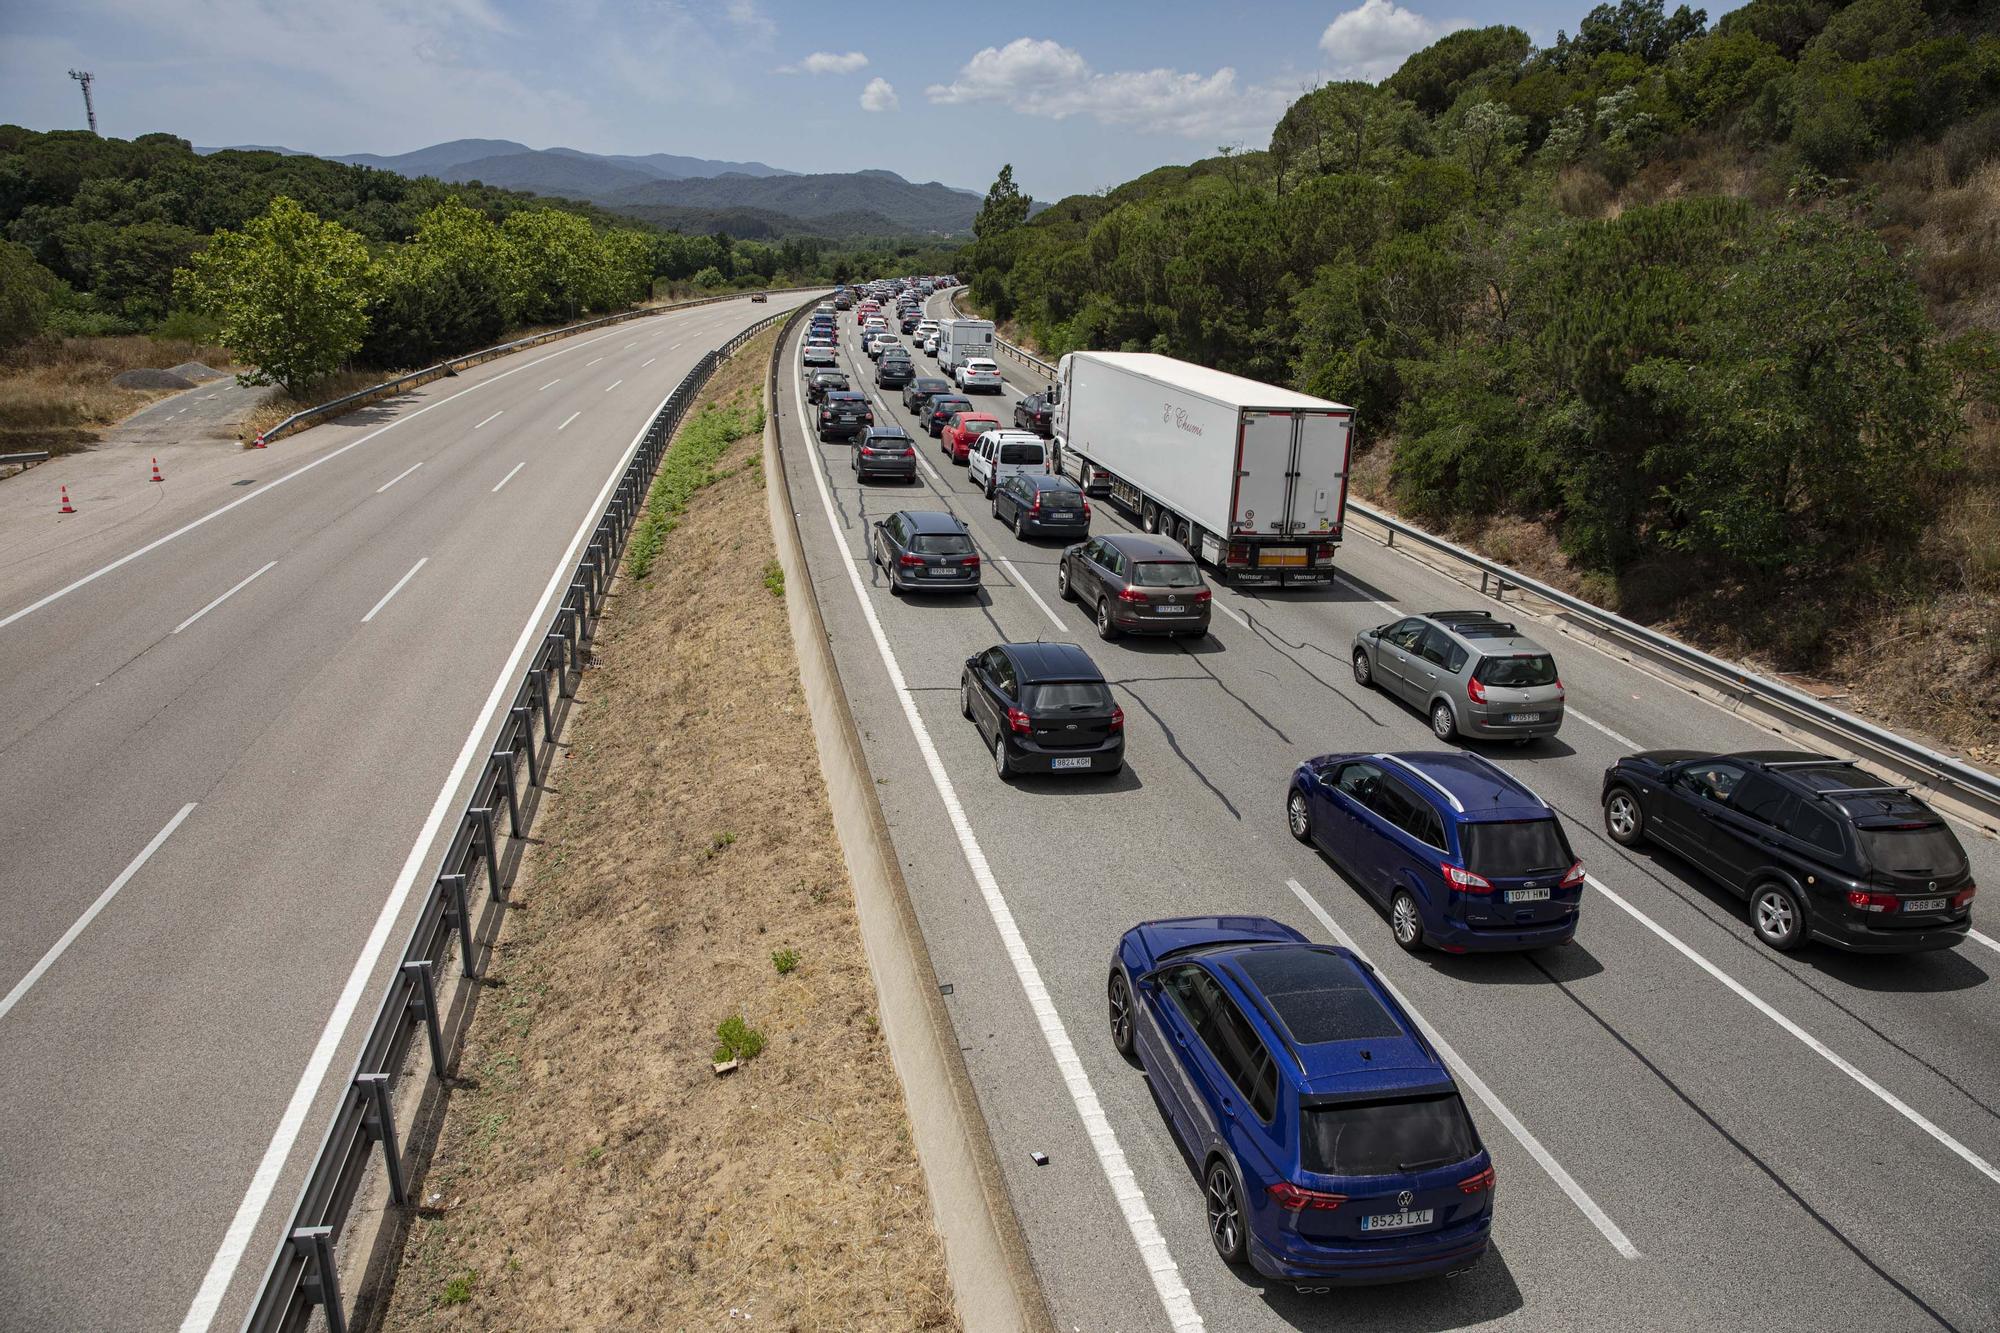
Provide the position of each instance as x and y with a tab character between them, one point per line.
1073	696
1166	574
1387	1138
1059	497
1515	847
978	427
1021	453
941	543
1923	850
1517	673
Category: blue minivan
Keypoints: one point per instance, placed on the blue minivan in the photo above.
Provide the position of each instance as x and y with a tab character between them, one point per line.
1331	1141
1462	857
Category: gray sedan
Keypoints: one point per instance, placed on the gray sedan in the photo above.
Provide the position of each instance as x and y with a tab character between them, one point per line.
1471	674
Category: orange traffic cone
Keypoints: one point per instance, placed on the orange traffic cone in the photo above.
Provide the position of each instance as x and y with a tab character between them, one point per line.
156	471
67	507
257	443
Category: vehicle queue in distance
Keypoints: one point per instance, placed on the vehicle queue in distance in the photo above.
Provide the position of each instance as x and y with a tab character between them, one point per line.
1331	1141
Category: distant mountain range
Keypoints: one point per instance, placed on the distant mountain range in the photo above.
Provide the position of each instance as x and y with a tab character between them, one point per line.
749	199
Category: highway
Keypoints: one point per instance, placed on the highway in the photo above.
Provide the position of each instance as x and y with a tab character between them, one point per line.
1691	1131
235	708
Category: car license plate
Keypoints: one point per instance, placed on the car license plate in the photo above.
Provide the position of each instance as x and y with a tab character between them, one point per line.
1282	555
1059	764
1420	1217
1527	895
1524	717
1923	904
1173	607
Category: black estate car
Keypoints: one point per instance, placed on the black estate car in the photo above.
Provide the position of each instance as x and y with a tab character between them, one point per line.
918	392
921	549
1043	708
885	451
894	371
1040	504
821	382
1821	848
1034	413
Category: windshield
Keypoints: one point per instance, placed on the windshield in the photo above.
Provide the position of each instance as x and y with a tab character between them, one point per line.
1386	1138
1519	847
1073	696
1517	673
942	543
1020	453
1166	574
1926	850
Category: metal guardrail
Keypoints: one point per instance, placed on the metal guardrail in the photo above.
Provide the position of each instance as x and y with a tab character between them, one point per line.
1971	787
462	913
24	460
298	421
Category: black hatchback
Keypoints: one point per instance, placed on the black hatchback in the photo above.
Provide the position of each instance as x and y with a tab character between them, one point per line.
925	551
1820	847
1043	708
1039	504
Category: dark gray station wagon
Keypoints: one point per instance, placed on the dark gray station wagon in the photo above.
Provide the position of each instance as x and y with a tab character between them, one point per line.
1135	584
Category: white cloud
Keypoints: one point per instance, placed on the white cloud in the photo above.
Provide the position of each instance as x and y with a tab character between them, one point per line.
745	15
1038	77
880	95
1372	40
828	62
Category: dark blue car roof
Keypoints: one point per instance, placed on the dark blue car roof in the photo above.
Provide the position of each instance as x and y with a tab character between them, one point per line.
1467	787
1347	1037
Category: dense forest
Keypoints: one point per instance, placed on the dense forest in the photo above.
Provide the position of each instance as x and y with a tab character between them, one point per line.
1715	307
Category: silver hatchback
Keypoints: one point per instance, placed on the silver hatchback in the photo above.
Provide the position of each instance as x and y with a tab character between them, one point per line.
1471	674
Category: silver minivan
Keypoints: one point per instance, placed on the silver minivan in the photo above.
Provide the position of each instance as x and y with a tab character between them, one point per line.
1473	675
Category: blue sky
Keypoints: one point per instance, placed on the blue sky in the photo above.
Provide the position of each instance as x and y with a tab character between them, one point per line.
1077	95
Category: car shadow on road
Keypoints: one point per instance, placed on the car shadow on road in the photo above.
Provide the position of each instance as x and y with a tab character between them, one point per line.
1070	784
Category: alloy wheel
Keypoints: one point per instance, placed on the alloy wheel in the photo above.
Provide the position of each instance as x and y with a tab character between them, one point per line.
1225	1214
1120	1003
1622	816
1298	817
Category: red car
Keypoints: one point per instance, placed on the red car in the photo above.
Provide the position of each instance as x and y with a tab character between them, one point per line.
963	429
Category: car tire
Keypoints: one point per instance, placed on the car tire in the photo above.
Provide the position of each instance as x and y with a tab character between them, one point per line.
1406	923
1364	675
1062	581
1298	816
1020	526
1105	629
1000	759
1118	1011
1443	725
1624	821
1227	1226
1777	915
965	694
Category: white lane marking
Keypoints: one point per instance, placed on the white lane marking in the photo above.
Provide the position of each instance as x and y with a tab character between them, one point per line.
1153	1252
1226	610
225	597
1590	721
593	361
398	477
566	420
229	1254
393	591
647	362
672	346
1985	939
510	475
265	489
629	346
614	384
495	417
551	384
1352	587
1522	1134
1811	1042
48	959
1047	610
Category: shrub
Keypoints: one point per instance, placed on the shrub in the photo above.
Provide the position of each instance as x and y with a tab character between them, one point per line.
737	1040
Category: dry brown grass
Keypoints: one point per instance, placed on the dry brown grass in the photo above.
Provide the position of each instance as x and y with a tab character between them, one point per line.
594	1172
56	393
281	404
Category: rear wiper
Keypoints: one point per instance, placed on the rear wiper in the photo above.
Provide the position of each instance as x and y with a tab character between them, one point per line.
1419	1166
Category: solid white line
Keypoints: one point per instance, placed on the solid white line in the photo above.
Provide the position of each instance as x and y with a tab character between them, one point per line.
1234	615
1985	939
647	362
566	420
1522	1135
629	346
510	475
1153	1252
220	600
614	384
495	417
551	384
1022	583
48	959
398	477
1811	1042
398	588
229	1254
265	489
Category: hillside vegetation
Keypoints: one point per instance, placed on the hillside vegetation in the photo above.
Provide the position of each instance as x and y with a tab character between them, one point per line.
1698	319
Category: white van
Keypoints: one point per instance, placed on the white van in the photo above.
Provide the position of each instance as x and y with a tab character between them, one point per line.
999	454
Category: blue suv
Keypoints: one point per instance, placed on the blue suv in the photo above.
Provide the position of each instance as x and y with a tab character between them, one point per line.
1332	1142
1463	857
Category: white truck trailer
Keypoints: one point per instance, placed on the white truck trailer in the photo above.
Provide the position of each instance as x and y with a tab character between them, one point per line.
1250	478
960	339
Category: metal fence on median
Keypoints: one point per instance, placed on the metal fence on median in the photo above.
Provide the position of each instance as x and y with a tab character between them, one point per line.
461	914
1973	788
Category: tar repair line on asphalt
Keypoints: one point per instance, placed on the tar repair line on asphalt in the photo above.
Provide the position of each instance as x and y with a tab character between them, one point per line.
1811	1042
229	1254
269	486
48	959
1152	1245
1522	1135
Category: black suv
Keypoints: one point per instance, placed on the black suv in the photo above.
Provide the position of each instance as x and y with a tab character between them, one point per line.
1820	847
893	371
1043	708
843	414
924	549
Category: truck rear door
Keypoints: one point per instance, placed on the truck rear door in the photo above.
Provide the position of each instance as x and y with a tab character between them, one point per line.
1263	458
1319	473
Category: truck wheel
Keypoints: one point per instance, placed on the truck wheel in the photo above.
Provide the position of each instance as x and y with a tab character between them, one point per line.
1149	517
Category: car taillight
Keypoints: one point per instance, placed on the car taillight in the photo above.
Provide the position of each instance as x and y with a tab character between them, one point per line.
1117	718
970	562
1559	687
1863	900
1037	508
1474	1184
1475	691
1458	877
910	561
869	416
866	452
1203	595
1086	511
1573	876
1129	594
1239	554
1017	721
1963	896
1293	1199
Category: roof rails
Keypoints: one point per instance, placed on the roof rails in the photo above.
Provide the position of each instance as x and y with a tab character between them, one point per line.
1436	786
1863	791
1474	623
1458	615
1813	763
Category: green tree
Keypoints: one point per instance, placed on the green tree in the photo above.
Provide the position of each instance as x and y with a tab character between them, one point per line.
554	265
1433	78
25	289
443	293
289	294
1004	209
